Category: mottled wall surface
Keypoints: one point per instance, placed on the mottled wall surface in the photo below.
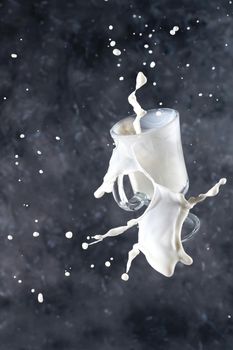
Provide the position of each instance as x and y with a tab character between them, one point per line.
65	82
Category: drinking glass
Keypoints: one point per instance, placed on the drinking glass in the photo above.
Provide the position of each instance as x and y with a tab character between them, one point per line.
160	153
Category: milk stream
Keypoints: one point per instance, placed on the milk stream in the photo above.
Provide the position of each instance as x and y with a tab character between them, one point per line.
139	111
160	226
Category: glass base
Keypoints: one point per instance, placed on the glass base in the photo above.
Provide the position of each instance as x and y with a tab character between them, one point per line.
190	227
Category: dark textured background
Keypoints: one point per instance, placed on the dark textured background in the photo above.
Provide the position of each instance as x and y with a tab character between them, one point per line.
65	82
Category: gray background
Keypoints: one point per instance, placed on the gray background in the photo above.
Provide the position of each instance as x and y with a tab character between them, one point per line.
65	82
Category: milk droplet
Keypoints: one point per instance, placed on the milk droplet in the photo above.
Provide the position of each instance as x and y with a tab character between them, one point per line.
154	83
200	94
213	68
125	277
92	266
121	78
40	298
22	136
116	52
107	263
110	27
85	245
112	43
32	290
41	171
152	64
172	32
67	273
35	234
69	234
20	281
176	28
14	55
111	258
10	237
58	138
39	152
146	46
16	156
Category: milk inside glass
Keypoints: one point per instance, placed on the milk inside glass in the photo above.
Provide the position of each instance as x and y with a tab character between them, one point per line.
159	150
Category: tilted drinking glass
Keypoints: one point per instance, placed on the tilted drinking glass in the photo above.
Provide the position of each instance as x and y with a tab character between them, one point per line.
160	155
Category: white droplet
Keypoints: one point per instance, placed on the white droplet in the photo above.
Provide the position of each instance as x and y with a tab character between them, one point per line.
19	281
36	234
200	94
41	171
121	78
111	258
88	237
58	138
92	266
146	46
107	263
210	95
172	32
110	27
69	234
4	98
154	83
213	68
176	28
188	28
125	277
36	220
10	237
22	136
112	43
16	156
67	273
40	298
187	65
16	163
144	63
85	245
27	89
32	290
229	316
152	64
39	152
14	55
116	52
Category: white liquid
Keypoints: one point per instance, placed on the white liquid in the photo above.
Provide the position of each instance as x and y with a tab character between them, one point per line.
140	81
154	161
40	298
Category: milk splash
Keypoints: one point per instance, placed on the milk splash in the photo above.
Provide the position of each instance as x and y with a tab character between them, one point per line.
159	227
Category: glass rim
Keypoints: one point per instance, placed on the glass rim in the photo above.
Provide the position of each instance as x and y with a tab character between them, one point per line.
144	132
